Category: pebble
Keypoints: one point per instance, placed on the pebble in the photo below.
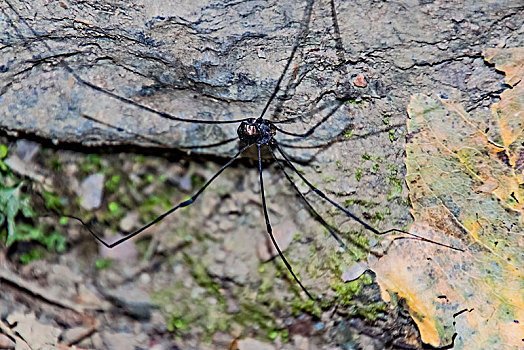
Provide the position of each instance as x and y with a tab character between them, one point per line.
354	271
145	278
91	191
253	344
129	222
360	81
26	150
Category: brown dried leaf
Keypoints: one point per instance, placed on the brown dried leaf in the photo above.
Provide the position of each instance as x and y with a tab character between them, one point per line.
466	179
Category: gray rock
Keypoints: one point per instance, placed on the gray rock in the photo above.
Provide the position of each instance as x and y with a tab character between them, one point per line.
91	191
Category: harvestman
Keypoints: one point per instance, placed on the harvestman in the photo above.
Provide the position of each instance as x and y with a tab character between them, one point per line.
251	132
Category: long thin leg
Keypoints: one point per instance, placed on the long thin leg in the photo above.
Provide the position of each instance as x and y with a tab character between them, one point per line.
270	229
353	216
154	140
303	29
163	216
314	127
109	93
331	229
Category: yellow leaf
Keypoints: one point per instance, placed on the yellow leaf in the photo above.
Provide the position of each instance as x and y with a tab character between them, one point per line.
465	174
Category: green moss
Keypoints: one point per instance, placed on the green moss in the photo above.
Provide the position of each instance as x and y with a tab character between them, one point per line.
199	273
201	311
395	189
3	151
90	164
114	207
35	254
205	313
254	314
52	201
391	134
299	305
148	209
371	311
346	291
358	174
55	163
150	178
197	181
102	264
355	102
140	159
113	183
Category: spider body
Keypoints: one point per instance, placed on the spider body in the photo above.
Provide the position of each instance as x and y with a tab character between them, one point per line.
260	131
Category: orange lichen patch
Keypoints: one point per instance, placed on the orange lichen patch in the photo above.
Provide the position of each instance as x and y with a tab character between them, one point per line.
360	81
465	174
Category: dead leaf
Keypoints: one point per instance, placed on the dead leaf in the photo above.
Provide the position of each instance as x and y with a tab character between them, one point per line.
466	182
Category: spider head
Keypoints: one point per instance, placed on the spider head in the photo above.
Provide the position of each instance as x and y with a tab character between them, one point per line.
253	131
